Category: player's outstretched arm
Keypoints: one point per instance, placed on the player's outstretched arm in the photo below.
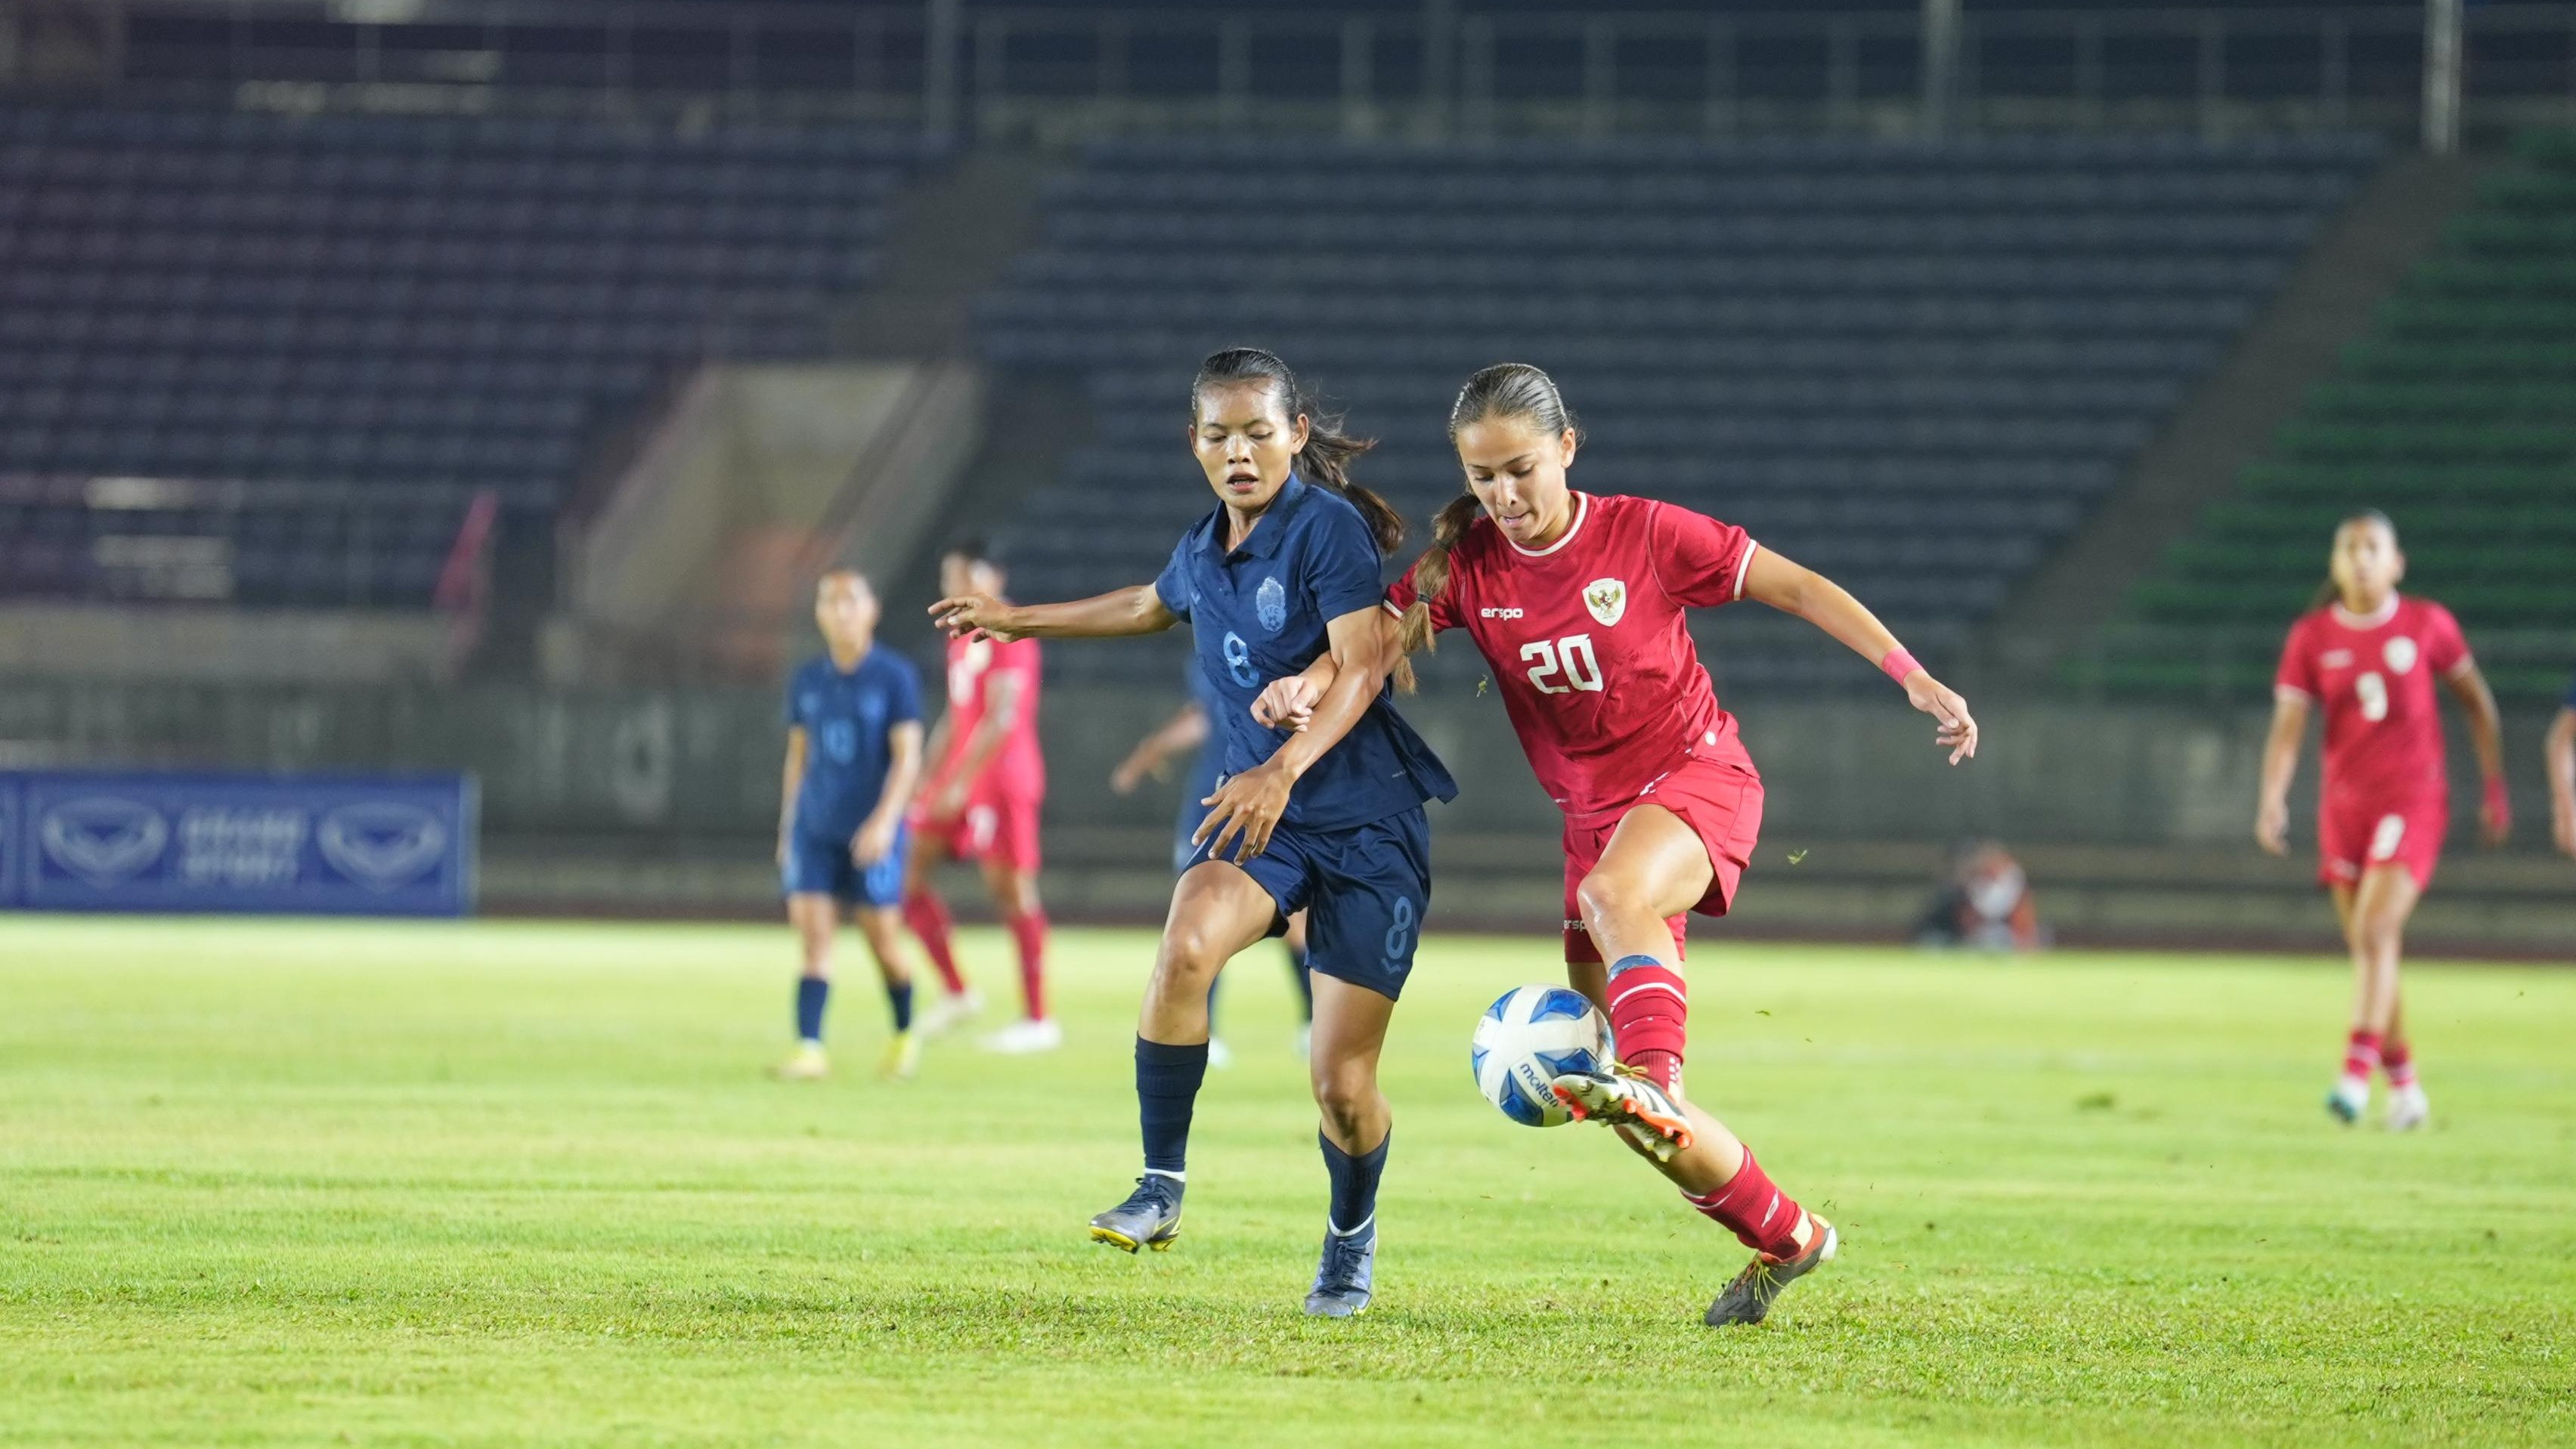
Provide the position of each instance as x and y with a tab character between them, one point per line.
1134	610
2558	753
1290	703
1187	729
1252	802
2280	762
1793	589
2486	736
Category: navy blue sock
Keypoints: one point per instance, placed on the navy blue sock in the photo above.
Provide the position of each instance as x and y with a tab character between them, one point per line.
811	993
1167	1088
1305	979
900	998
1354	1182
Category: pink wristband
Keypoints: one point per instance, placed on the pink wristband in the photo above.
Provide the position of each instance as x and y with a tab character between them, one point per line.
1898	664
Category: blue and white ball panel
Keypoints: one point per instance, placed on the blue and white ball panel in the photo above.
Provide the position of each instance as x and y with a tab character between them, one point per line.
1527	1039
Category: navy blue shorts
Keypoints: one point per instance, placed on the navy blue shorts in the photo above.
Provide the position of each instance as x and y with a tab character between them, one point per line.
817	865
1363	891
1200	785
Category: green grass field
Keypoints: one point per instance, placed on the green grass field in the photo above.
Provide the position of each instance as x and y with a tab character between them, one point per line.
526	1184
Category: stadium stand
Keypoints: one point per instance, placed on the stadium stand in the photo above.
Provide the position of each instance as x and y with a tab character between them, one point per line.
316	337
2455	416
1915	366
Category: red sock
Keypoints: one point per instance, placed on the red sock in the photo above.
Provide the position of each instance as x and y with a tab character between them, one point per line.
2398	1060
2361	1055
1649	1017
1751	1206
1030	931
927	915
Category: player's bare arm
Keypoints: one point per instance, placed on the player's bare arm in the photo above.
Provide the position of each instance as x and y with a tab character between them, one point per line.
1002	698
875	839
1820	601
791	778
1187	729
1113	615
1289	703
2486	736
2558	756
2280	763
1252	802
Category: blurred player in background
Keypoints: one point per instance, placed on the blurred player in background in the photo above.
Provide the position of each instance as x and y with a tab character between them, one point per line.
1984	903
1187	731
2558	752
981	806
1578	604
1327	818
853	755
2370	657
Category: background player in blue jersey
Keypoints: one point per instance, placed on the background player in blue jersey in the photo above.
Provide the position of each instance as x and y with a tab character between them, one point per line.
2560	755
1186	732
1328	819
853	757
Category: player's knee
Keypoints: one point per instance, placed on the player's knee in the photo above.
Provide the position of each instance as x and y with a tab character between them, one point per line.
1345	1092
1603	896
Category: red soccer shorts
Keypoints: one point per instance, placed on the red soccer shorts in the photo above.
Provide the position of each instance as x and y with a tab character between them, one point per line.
991	829
2354	835
1720	800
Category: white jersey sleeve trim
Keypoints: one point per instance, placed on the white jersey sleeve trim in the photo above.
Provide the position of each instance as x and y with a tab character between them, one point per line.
1743	566
2292	691
2461	669
1389	606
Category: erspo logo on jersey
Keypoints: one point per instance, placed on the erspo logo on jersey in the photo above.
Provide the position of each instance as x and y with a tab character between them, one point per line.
174	842
1499	613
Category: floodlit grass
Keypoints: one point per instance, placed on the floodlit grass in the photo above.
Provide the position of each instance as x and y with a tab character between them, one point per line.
525	1184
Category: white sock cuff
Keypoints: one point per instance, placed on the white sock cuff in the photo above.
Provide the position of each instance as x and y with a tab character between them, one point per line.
1174	1176
1340	1232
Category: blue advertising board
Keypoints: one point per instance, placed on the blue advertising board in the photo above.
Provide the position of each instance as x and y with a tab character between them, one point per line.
318	844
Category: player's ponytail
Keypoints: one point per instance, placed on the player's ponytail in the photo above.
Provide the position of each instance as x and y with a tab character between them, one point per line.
1325	461
1504	390
2331	592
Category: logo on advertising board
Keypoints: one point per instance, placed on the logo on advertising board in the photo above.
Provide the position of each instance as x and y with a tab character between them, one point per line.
103	839
382	844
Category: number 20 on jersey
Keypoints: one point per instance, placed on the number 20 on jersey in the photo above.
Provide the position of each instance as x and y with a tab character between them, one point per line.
1563	665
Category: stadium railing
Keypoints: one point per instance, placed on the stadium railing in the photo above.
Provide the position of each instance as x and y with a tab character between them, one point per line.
1442	70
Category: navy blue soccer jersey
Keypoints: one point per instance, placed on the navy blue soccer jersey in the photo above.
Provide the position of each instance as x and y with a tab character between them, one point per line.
1258	613
847	718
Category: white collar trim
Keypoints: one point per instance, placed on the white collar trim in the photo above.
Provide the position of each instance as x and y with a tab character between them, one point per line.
1582	509
2373	620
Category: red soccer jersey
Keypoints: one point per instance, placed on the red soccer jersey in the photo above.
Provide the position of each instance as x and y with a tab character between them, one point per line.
1017	770
1590	645
2374	679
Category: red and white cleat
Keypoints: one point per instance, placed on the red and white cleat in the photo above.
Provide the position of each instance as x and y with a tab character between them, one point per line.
1624	1098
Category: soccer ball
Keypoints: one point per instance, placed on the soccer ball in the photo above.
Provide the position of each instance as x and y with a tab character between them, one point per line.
1531	1036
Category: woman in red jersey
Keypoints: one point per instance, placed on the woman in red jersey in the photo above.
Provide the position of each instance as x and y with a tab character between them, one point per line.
1578	601
2370	658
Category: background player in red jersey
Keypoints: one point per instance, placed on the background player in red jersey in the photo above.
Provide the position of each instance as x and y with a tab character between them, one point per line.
982	806
1578	603
2558	755
2370	657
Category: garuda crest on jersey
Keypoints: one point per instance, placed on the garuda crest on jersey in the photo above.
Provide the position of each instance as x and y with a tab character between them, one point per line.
1271	602
1607	599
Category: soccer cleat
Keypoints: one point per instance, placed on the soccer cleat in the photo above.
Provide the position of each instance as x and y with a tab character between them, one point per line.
902	1056
2349	1097
1343	1276
1149	1218
1748	1299
952	1010
1624	1098
808	1063
2407	1109
1023	1037
1220	1056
